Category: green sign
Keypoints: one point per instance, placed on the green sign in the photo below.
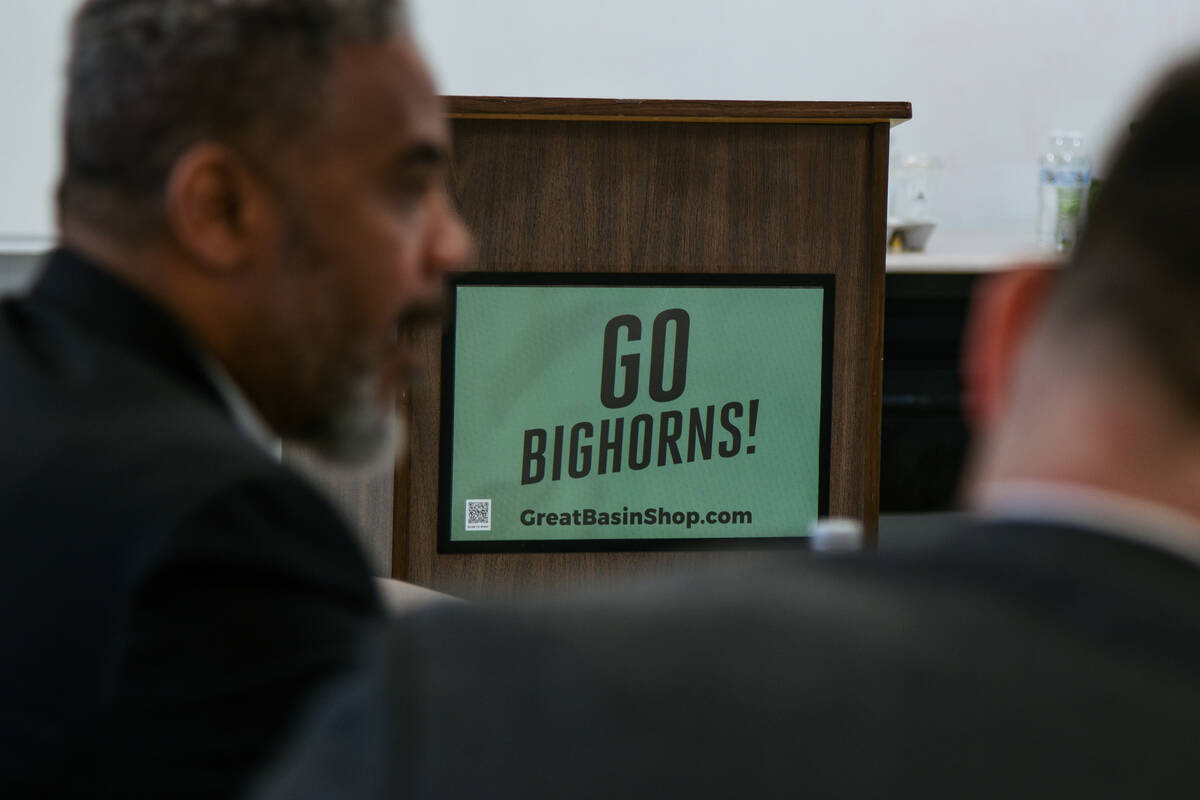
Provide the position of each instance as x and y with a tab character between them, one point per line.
624	415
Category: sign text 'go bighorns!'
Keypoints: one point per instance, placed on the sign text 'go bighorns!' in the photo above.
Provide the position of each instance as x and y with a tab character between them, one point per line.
671	436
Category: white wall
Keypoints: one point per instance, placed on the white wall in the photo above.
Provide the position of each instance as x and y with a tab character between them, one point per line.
986	78
33	36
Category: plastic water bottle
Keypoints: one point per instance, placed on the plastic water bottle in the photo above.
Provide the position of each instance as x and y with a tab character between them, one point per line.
1063	179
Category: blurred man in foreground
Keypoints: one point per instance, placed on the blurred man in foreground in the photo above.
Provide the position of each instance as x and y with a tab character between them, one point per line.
1051	647
252	211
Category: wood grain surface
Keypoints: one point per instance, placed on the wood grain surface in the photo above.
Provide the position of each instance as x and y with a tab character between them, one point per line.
712	196
677	110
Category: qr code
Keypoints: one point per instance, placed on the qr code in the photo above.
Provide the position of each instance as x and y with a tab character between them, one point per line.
479	515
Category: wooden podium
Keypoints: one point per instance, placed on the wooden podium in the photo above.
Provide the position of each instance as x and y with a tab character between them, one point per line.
676	187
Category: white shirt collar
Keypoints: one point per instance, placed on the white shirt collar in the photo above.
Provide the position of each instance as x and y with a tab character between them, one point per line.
245	416
1115	514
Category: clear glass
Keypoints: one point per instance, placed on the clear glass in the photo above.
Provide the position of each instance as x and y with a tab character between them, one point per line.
914	189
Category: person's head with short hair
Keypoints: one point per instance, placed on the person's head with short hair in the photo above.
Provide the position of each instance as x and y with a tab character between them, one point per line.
273	173
1090	374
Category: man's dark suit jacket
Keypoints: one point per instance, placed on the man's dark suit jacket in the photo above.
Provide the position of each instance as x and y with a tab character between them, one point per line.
1007	661
171	594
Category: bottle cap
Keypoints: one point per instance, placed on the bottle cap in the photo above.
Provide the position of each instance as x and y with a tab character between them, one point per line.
1065	135
836	535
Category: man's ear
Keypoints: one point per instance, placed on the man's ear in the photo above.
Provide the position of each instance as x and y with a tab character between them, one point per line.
215	207
1003	313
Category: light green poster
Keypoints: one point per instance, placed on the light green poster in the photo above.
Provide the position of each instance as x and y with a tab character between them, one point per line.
584	413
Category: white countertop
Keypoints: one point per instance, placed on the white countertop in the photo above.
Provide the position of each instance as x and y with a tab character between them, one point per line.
950	251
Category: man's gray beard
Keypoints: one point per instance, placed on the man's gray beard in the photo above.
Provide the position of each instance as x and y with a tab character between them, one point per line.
358	433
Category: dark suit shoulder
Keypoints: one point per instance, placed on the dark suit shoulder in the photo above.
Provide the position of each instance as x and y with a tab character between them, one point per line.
970	669
121	441
154	558
252	603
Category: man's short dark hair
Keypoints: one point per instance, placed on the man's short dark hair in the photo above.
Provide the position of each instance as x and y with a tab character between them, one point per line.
149	78
1136	271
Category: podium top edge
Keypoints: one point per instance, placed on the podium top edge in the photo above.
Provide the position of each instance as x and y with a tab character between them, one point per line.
743	111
